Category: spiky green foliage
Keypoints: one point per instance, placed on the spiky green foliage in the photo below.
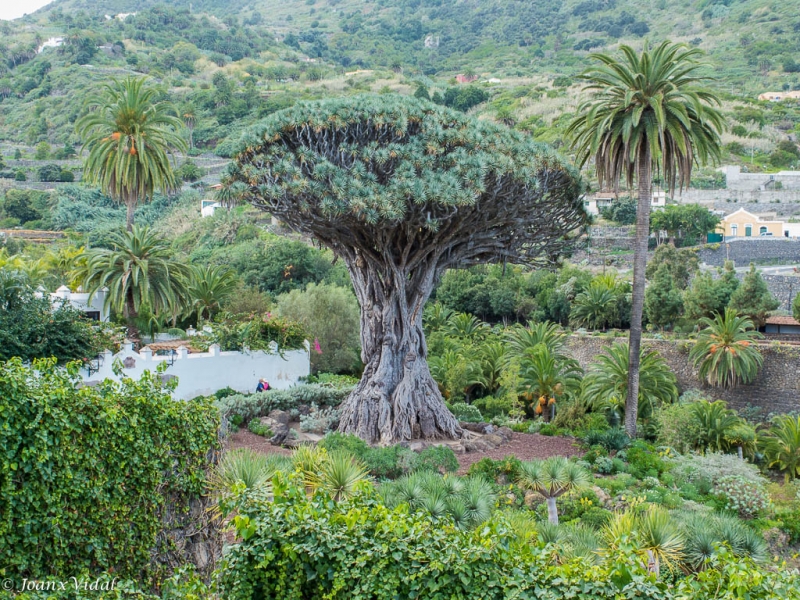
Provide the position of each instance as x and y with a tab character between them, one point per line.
208	287
545	378
782	446
245	469
140	272
715	422
595	308
703	532
361	165
339	474
129	134
606	383
726	353
521	339
652	101
552	478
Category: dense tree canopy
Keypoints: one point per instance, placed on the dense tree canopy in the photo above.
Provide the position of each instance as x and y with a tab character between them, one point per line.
401	190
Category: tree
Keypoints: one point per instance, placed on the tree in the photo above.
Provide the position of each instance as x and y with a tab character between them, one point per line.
726	353
715	422
190	120
753	299
648	112
688	222
42	151
595	308
552	478
620	210
140	273
796	307
330	314
663	303
130	135
606	384
545	377
402	190
208	288
708	296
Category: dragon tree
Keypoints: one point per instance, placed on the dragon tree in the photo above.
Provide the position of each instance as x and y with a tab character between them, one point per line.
401	190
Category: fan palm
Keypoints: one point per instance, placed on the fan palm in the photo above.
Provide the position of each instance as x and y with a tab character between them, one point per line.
726	353
647	112
782	446
209	287
139	271
546	378
130	135
606	384
552	478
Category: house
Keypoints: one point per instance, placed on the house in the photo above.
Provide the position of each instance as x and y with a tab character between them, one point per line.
207	207
780	96
94	308
781	325
743	223
603	200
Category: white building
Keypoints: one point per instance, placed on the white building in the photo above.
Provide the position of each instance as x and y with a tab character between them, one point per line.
602	200
94	309
203	373
207	207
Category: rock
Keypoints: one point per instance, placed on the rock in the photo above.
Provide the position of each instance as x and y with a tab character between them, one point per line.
418	446
311	438
469	446
494	439
281	416
531	498
505	433
605	499
478	427
458	448
304	409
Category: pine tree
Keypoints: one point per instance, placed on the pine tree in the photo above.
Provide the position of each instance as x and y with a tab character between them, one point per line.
708	296
663	304
752	298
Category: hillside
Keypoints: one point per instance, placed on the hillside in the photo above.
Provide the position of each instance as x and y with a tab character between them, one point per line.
229	63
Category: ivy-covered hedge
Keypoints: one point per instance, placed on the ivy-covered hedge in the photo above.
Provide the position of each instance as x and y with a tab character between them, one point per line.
84	472
251	406
298	547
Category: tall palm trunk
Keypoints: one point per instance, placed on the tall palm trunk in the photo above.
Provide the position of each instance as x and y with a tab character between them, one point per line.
644	180
130	315
131	206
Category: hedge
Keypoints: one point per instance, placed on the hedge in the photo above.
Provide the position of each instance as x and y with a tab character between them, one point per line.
85	471
297	547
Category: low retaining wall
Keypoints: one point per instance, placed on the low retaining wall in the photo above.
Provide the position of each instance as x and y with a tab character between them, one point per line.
776	390
204	373
744	251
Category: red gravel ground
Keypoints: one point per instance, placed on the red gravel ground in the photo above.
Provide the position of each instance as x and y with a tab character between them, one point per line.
525	446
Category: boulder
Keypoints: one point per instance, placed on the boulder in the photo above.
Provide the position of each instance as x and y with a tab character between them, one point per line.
505	433
482	428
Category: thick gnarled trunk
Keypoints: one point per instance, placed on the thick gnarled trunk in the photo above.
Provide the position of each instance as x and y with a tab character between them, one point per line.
397	399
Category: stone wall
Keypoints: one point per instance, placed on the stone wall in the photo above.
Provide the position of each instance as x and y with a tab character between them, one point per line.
777	388
744	251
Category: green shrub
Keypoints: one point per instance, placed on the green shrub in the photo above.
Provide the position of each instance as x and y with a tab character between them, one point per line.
255	426
790	524
438	458
596	517
643	461
466	412
261	404
84	473
383	463
746	498
611	439
705	470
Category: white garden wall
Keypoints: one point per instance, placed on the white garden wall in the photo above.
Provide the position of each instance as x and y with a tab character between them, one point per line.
202	374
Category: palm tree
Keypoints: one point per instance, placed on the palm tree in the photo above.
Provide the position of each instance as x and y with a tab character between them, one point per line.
130	135
595	308
715	422
782	446
606	384
139	271
547	333
726	353
189	119
647	113
209	287
552	478
546	378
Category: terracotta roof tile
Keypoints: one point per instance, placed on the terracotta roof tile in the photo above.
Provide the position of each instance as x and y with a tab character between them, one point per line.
781	320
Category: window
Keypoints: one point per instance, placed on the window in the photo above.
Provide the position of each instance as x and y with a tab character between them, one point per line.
762	230
748	229
734	230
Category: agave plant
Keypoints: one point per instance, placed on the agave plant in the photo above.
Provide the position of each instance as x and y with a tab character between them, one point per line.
552	478
725	353
782	446
339	474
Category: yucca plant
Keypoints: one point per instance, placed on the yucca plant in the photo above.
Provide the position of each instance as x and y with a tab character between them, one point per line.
725	353
743	438
339	474
552	478
703	531
661	538
782	446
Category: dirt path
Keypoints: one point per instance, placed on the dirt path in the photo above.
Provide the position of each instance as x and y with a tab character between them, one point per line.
525	446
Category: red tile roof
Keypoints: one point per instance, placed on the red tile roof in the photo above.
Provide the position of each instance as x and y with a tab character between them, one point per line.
781	320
